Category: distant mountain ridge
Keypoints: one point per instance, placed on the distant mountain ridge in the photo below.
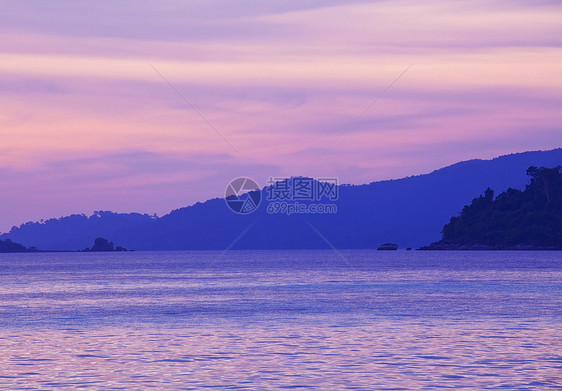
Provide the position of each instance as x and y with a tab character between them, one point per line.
410	211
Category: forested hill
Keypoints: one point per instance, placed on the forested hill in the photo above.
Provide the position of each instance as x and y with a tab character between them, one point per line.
529	219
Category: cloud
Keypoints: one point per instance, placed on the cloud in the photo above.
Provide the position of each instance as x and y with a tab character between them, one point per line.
132	180
88	123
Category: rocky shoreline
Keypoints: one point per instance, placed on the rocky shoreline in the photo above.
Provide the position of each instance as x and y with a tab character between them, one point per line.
449	246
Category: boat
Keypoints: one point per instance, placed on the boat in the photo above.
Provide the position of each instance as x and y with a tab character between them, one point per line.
388	246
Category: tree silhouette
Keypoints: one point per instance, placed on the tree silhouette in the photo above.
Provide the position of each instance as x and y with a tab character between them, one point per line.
524	219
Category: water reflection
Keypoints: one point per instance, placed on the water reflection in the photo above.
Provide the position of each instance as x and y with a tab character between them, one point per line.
374	355
293	321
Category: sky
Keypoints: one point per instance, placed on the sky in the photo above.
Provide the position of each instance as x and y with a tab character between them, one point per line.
150	106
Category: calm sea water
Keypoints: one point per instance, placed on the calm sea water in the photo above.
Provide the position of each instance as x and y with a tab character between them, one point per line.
270	320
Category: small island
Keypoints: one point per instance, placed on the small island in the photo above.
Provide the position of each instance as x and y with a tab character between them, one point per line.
388	247
7	246
514	220
103	245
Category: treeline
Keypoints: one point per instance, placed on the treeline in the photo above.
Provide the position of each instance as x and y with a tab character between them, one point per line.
529	219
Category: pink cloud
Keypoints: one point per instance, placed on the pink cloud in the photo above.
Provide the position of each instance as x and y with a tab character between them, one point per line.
89	125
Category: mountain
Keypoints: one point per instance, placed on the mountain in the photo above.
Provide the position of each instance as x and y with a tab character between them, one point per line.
409	211
76	232
515	219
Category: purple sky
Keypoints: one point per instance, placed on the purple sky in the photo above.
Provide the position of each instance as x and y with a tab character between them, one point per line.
88	125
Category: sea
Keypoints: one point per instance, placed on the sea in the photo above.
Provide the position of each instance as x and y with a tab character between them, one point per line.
281	320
